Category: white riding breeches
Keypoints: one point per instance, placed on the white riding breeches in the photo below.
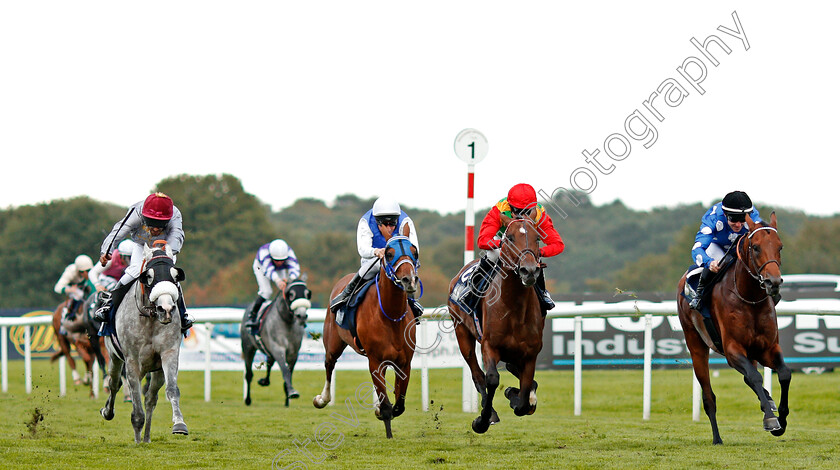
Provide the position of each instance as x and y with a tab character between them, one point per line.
370	267
715	252
263	282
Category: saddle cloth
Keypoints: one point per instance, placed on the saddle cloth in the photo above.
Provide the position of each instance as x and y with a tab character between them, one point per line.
346	316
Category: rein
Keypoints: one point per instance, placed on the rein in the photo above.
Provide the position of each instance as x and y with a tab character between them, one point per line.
402	249
757	275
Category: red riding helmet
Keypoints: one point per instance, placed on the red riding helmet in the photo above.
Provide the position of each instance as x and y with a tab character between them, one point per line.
522	196
157	210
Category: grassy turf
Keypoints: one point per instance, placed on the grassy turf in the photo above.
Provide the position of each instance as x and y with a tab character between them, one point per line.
224	433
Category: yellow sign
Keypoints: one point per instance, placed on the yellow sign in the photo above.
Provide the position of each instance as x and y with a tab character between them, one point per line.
43	337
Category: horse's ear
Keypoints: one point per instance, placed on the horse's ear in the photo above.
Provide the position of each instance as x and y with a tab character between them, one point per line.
177	273
406	230
169	251
532	214
773	219
147	252
505	220
750	222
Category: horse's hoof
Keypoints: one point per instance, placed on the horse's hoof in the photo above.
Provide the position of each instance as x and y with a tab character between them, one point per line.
479	426
180	428
106	415
398	410
778	432
248	401
494	417
294	394
511	392
773	408
772	424
319	402
264	382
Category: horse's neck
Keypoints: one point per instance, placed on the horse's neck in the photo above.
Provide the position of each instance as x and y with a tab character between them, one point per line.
745	284
511	285
393	298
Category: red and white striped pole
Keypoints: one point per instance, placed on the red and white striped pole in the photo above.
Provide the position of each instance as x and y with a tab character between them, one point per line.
471	147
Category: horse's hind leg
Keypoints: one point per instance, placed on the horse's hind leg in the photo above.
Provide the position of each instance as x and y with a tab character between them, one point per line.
383	408
466	343
155	381
753	379
334	346
138	417
169	361
403	376
700	362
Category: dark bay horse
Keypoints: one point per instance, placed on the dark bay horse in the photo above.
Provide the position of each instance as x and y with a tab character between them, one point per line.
148	341
281	334
512	323
385	327
744	313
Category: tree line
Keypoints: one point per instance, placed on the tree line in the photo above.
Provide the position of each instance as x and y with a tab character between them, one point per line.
608	247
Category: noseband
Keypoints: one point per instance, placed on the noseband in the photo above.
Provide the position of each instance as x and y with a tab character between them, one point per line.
402	250
757	274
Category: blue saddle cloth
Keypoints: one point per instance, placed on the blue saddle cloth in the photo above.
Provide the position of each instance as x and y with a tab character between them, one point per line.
346	316
691	281
472	305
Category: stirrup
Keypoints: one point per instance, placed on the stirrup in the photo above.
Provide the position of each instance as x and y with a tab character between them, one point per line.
186	324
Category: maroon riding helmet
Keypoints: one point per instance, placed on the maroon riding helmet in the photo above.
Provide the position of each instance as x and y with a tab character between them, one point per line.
157	210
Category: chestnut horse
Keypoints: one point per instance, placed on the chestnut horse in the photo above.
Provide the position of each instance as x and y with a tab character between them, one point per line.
385	328
512	323
77	334
744	313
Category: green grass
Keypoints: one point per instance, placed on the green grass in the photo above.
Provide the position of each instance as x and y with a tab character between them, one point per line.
224	433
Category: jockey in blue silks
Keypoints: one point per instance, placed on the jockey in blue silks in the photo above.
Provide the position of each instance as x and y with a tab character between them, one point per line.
274	262
720	227
384	219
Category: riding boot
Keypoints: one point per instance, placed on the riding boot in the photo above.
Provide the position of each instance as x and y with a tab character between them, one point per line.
415	306
701	286
110	301
478	284
345	294
70	311
546	304
252	314
186	322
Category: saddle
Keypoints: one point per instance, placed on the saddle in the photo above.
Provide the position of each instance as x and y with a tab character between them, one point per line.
702	320
261	317
346	315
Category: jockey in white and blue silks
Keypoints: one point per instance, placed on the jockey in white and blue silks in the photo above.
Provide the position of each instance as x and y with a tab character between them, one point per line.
385	217
275	262
720	227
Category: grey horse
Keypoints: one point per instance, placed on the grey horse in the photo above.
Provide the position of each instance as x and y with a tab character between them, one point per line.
147	341
281	333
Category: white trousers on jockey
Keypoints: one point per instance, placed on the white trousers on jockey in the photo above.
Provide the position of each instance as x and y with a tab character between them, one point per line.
132	271
715	251
370	268
263	282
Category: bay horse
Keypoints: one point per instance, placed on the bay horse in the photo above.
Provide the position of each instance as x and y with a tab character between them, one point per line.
385	328
281	334
146	340
512	323
744	313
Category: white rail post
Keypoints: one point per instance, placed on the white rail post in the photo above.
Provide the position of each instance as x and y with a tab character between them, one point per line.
95	379
695	399
648	365
27	357
62	376
208	353
424	367
4	356
578	364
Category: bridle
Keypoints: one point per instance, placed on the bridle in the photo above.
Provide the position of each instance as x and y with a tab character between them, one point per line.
402	255
751	265
526	251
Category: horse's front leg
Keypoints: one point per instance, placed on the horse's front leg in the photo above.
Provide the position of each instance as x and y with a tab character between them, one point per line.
333	346
287	374
403	374
155	381
137	416
248	356
266	381
382	408
115	368
169	362
739	361
491	380
777	362
523	400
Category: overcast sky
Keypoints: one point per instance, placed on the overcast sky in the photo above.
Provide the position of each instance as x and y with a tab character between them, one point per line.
318	99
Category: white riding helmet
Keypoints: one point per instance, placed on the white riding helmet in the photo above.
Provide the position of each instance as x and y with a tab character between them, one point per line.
386	206
83	263
125	247
278	250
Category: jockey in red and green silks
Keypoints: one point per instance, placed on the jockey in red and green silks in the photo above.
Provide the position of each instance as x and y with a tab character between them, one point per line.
520	202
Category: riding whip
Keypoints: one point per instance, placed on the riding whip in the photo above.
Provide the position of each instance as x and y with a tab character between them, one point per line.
108	251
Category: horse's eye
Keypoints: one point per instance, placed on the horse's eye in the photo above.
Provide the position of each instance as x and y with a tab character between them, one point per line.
389	255
756	248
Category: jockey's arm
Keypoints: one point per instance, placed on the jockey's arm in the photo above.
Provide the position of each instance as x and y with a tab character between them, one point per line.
364	240
553	243
489	228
